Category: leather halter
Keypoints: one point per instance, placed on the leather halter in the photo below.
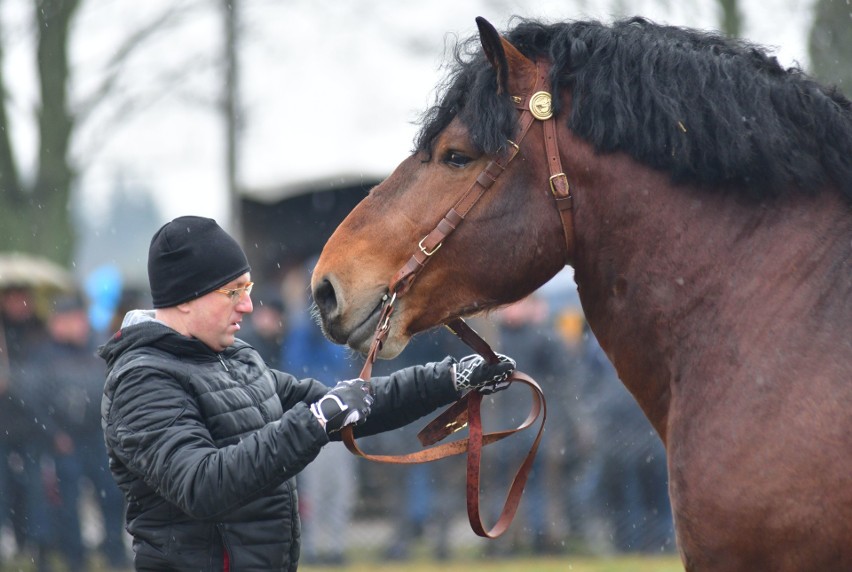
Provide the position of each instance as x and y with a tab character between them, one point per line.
466	411
559	186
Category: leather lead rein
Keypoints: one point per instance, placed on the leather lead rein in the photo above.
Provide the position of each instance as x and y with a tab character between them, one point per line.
466	411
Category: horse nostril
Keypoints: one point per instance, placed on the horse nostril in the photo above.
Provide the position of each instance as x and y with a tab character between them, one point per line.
325	298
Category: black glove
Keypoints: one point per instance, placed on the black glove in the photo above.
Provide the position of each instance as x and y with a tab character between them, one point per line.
346	403
473	372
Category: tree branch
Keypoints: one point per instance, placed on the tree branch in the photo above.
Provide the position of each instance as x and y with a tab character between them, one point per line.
135	42
10	184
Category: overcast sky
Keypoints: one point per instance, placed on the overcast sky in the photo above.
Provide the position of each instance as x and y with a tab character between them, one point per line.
329	89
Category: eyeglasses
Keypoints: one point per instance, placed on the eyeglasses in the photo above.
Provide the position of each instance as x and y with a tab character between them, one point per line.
235	294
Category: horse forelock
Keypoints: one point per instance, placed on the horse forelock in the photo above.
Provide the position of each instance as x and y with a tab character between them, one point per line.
713	111
470	93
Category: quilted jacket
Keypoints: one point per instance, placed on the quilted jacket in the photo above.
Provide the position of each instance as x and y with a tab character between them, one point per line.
205	445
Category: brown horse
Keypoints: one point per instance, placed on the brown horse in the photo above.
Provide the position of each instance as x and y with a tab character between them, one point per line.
706	207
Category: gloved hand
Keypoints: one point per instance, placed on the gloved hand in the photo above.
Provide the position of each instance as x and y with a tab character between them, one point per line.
473	372
346	403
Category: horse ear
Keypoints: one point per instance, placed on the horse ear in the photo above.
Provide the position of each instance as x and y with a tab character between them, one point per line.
515	73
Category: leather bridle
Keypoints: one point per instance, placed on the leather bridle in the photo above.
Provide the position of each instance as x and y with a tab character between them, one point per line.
534	106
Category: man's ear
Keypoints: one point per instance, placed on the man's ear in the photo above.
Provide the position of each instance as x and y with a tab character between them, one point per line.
515	73
184	308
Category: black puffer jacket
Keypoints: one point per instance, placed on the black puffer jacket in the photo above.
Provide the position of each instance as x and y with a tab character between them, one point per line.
205	446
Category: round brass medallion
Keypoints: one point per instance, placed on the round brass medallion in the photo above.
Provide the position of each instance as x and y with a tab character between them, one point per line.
540	105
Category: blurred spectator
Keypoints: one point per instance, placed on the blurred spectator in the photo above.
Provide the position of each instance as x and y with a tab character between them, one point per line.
556	363
264	329
424	499
627	477
23	442
104	289
328	485
130	299
71	381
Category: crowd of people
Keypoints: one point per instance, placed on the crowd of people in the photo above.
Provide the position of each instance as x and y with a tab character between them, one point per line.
598	483
51	445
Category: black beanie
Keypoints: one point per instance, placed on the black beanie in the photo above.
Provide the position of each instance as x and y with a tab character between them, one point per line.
190	257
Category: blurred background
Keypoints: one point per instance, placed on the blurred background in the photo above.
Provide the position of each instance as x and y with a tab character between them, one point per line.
276	118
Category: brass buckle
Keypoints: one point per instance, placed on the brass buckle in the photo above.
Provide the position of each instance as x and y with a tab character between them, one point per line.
511	153
423	248
387	310
553	188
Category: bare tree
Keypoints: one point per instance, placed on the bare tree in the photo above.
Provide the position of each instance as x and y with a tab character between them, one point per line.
34	207
231	109
830	44
35	217
732	19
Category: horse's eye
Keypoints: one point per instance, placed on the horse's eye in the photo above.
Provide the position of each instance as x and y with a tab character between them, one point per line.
456	159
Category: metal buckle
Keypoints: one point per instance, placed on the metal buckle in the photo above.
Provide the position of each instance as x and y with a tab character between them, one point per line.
510	153
387	310
553	188
423	248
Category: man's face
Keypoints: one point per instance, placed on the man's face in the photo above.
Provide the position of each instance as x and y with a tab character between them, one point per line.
17	305
71	327
215	318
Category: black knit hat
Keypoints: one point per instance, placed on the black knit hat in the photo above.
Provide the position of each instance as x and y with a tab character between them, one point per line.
190	257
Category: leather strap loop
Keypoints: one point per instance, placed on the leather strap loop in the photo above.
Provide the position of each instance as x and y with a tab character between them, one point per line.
466	411
474	463
489	174
451	420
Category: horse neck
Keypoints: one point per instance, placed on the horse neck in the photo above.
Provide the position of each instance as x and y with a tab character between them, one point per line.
674	281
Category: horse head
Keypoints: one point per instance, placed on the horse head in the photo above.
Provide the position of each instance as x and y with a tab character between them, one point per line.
514	217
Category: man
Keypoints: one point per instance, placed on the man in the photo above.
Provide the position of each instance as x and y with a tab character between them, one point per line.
204	439
557	363
70	382
267	327
23	443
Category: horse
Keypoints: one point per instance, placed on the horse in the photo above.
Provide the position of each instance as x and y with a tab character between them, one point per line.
703	195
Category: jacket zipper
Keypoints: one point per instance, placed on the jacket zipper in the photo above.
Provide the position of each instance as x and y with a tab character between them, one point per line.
222	361
226	554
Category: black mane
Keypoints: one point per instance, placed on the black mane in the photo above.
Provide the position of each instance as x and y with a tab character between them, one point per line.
710	110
